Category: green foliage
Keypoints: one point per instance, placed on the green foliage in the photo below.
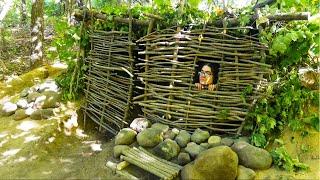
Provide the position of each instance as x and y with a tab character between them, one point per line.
290	45
66	48
286	101
51	8
282	159
300	5
287	104
65	41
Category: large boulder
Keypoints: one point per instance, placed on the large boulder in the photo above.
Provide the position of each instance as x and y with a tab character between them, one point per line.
251	156
183	138
167	149
162	127
20	114
125	136
52	99
41	114
22	103
8	109
218	163
118	150
194	149
140	124
183	158
149	137
188	172
199	136
245	173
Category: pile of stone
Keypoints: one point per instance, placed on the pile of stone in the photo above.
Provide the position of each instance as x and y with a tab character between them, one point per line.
37	102
205	156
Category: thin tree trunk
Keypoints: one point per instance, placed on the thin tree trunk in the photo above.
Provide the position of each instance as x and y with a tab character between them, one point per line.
69	9
23	12
37	36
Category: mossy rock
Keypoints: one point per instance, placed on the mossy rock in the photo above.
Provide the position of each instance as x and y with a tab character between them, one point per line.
20	114
149	137
125	136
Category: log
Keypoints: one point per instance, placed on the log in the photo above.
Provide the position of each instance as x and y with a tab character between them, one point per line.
289	16
232	22
78	14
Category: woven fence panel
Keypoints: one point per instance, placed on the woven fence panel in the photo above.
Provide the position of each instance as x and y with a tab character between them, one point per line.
170	96
109	80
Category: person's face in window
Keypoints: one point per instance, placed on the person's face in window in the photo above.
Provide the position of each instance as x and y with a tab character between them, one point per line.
206	75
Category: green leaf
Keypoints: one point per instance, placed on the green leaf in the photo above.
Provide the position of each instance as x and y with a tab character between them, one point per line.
315	122
258	140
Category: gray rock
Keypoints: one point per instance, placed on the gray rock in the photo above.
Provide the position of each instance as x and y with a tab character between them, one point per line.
194	149
243	139
33	96
118	149
125	136
22	103
162	127
38	103
217	163
227	141
183	138
199	136
245	173
41	114
167	149
205	145
251	156
52	99
49	85
170	134
140	124
8	109
149	137
214	141
183	158
20	114
29	111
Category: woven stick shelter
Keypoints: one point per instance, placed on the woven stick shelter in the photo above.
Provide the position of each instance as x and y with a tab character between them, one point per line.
171	57
109	78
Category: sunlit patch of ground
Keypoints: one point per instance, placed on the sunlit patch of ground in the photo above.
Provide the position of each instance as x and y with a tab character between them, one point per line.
37	149
17	83
56	148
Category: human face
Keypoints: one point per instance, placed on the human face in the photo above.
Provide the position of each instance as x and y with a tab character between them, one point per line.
206	75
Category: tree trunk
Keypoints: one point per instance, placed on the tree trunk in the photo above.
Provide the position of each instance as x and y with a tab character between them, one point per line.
69	6
37	37
23	12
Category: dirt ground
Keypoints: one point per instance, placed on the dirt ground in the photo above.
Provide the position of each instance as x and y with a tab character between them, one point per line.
42	149
36	149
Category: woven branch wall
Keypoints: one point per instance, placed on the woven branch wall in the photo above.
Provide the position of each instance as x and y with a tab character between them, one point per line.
109	80
170	96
